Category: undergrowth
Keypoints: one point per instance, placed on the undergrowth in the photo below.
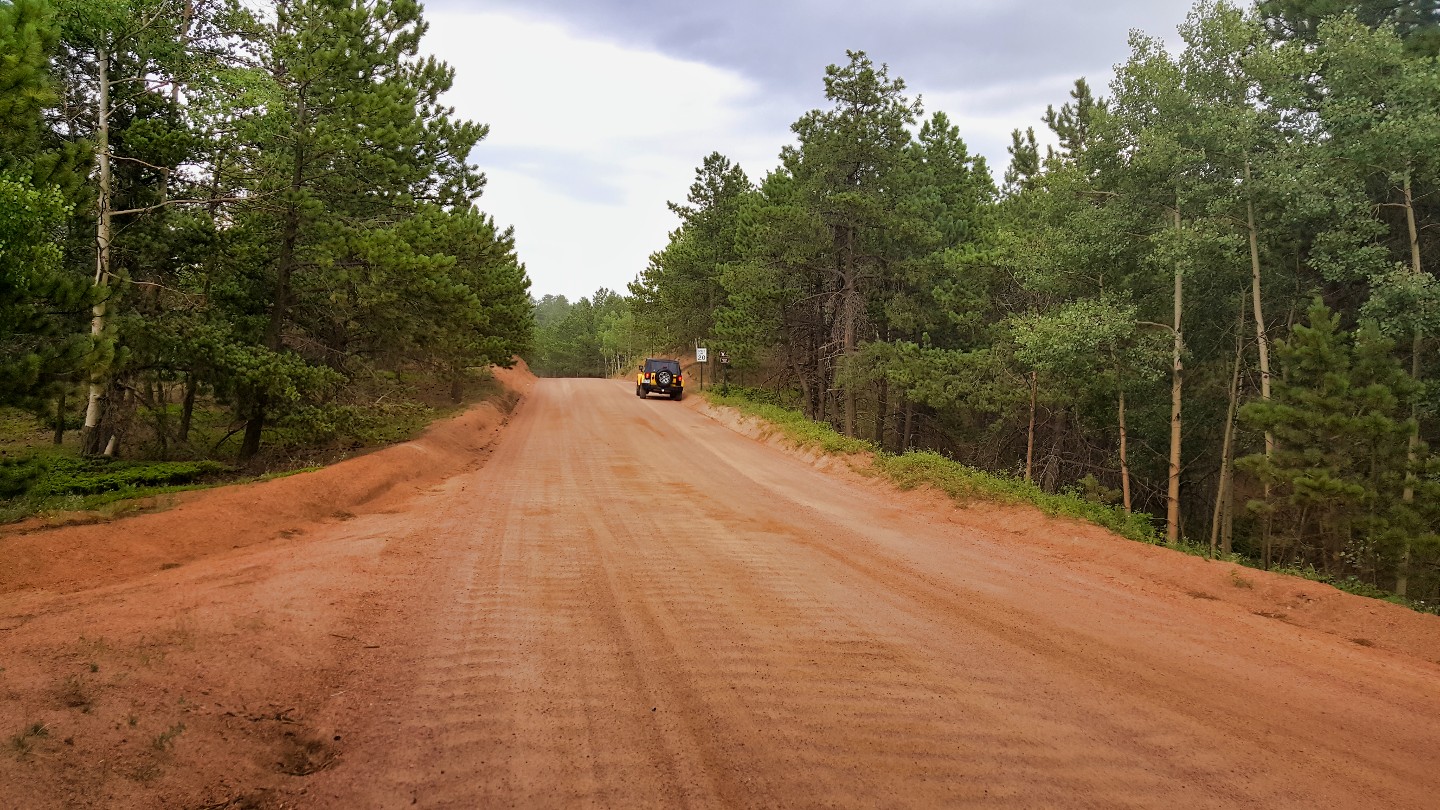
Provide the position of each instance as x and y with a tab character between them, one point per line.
963	483
1358	587
921	468
49	476
39	478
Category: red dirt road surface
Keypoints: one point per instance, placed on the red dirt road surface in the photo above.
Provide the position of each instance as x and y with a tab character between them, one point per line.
610	602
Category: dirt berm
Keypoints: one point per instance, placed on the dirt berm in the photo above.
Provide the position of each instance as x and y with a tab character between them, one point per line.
66	558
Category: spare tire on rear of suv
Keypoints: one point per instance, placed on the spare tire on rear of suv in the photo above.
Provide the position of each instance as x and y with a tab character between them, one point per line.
664	377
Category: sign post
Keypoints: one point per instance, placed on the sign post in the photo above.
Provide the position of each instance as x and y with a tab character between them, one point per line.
702	355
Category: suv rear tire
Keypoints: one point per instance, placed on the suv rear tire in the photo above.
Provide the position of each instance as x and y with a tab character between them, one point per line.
640	391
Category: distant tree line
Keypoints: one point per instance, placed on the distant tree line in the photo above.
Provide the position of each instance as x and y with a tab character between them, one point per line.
1213	299
595	336
264	206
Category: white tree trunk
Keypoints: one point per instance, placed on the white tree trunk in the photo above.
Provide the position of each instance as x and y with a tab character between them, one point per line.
1262	338
1222	489
1402	575
1172	500
102	245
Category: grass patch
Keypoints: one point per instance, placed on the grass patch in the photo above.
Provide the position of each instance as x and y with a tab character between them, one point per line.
53	481
40	478
165	740
53	476
964	483
105	505
1358	587
25	740
271	476
793	425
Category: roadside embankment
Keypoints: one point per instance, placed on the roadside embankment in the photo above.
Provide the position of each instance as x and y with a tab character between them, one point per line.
66	558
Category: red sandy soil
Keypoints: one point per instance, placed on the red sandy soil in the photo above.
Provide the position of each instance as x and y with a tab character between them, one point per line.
610	602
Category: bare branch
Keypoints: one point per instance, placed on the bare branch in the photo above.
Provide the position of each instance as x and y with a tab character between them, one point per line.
114	156
156	206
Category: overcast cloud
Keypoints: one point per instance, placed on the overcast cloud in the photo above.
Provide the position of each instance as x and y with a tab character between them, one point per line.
600	110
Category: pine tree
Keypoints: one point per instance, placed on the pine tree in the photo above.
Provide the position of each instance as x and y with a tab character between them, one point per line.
1417	21
680	286
352	138
1339	415
1072	122
1025	166
38	350
847	164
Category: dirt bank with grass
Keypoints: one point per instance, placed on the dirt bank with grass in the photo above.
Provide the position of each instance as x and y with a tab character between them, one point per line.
192	525
1166	572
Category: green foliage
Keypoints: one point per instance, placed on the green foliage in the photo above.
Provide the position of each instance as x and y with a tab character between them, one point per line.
927	468
1416	21
37	297
292	215
806	433
593	337
1096	342
49	476
1359	587
28	36
680	291
1342	461
35	352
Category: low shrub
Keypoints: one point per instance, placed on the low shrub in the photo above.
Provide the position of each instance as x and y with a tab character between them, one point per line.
52	476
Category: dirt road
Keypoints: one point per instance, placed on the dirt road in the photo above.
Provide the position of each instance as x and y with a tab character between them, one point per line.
631	604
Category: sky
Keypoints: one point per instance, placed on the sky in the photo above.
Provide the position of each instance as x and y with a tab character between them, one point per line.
600	110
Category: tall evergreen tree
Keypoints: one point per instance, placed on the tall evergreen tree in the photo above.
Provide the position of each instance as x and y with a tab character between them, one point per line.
353	136
680	289
38	298
1071	123
846	164
1340	417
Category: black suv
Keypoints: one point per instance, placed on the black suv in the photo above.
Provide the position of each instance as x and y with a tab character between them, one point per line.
660	375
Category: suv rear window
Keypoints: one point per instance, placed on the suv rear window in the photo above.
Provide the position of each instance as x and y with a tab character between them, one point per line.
656	365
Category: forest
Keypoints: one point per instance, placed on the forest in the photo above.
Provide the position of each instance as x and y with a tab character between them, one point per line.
233	228
1205	293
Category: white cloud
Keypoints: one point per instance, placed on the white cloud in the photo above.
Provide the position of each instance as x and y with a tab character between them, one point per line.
589	139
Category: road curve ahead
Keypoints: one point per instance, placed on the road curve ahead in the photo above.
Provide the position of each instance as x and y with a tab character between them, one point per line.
632	605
